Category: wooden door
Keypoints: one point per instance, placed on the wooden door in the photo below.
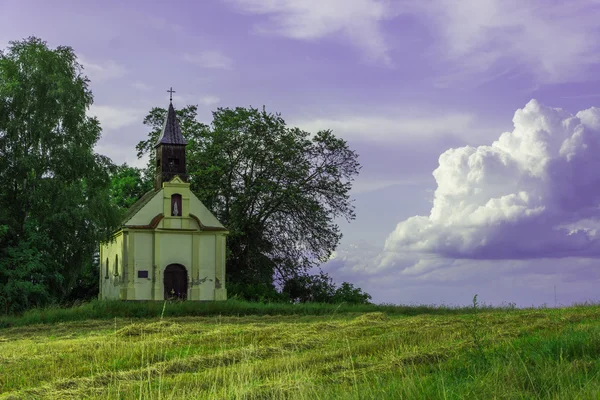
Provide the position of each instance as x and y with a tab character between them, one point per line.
176	282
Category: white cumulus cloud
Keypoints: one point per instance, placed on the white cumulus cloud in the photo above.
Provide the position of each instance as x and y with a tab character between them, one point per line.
533	193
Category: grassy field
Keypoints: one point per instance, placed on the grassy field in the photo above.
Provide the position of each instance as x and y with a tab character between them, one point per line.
238	350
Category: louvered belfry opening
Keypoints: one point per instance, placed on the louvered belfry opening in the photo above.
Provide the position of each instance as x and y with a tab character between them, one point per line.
170	151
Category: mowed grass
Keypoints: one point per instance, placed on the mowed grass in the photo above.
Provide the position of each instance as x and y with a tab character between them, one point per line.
459	354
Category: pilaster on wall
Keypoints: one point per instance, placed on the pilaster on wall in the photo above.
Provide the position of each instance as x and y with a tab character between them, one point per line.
101	276
221	291
125	267
195	270
218	260
223	261
220	294
129	280
157	278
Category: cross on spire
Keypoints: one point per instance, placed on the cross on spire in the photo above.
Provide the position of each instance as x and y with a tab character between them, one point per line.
171	91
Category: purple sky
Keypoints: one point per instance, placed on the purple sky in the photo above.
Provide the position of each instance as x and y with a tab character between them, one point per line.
404	82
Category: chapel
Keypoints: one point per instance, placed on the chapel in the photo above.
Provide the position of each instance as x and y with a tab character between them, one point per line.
170	246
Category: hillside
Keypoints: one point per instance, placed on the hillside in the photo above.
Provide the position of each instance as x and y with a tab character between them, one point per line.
492	353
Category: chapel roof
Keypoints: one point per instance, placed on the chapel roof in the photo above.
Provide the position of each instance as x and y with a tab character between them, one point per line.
203	216
138	205
171	133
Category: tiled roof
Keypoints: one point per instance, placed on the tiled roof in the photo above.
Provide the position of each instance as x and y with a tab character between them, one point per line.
171	133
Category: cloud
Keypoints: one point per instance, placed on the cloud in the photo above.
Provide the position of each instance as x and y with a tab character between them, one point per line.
209	59
474	41
554	43
401	127
512	221
359	21
3	43
164	25
101	71
431	279
111	117
582	96
195	99
210	100
120	154
355	257
534	193
142	87
365	185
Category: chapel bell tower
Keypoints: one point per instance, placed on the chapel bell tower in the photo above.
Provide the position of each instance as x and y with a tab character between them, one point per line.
170	150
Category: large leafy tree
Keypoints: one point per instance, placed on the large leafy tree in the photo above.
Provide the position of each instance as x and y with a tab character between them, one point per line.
54	190
128	184
278	189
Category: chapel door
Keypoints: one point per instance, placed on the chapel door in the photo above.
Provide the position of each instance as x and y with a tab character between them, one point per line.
176	282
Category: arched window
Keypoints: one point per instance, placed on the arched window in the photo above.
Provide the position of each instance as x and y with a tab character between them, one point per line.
106	276
176	210
117	265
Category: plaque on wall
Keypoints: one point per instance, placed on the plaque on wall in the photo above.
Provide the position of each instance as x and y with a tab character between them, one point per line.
142	274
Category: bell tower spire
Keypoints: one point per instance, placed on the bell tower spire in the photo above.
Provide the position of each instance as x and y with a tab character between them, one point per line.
170	149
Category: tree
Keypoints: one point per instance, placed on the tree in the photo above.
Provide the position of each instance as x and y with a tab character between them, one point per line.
347	293
321	289
128	185
276	188
54	191
305	288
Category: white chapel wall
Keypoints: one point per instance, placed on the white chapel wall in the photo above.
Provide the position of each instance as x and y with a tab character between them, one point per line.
143	262
194	224
111	285
176	223
207	266
175	249
203	214
149	211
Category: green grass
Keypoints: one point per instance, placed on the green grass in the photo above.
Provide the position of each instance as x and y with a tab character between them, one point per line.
237	350
153	309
